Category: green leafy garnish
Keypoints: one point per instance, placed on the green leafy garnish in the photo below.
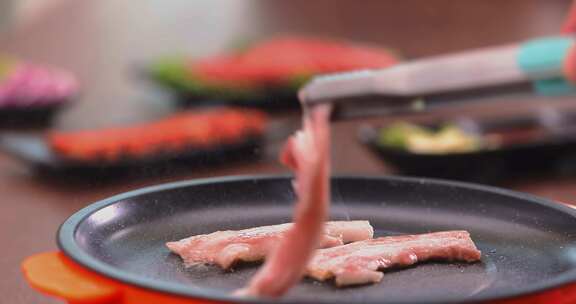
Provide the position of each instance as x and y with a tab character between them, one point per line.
177	74
396	135
447	139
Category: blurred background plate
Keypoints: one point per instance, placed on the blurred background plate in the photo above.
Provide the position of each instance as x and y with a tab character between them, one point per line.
33	150
512	147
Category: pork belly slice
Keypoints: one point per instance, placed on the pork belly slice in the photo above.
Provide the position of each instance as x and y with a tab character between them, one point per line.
307	154
225	248
358	263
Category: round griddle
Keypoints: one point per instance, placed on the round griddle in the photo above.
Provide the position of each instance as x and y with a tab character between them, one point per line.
528	244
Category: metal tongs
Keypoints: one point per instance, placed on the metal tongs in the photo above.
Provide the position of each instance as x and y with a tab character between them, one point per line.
542	66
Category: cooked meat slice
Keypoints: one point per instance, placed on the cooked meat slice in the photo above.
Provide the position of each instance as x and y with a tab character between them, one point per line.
225	248
359	262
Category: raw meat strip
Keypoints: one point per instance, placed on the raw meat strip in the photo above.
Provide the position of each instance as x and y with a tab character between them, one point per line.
307	153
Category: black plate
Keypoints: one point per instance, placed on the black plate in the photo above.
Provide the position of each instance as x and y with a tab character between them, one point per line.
552	155
270	99
29	117
528	244
33	149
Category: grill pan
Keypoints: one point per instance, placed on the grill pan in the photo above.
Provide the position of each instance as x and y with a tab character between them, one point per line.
528	244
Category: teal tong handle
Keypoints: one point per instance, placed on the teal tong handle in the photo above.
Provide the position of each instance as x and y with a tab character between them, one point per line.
544	60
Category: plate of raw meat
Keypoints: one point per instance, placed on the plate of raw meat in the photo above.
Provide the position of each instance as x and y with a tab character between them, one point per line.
203	137
265	74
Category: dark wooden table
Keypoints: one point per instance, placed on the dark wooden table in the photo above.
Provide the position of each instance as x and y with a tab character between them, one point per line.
88	38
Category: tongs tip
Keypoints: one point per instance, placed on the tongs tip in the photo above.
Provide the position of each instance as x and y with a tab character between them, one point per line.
332	87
